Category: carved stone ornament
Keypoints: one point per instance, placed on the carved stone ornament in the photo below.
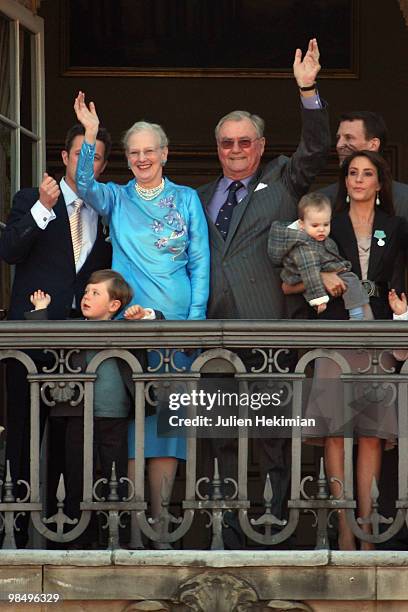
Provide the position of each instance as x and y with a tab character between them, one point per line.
208	592
404	8
161	606
147	606
277	604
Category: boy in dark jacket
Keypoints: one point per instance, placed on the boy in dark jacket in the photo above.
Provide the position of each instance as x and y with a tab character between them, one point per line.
105	295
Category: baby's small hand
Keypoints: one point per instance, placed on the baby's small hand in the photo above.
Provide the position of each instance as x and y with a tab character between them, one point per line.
321	308
134	313
397	305
40	300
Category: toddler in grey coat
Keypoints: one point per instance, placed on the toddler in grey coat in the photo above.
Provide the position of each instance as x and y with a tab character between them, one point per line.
304	250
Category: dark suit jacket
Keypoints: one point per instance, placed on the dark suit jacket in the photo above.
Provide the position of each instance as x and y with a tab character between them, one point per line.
399	193
386	263
244	284
44	259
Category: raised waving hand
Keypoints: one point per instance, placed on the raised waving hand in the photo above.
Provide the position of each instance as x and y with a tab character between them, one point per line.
87	116
306	70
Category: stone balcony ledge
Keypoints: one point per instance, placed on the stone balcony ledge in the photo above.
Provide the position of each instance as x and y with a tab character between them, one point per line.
206	558
162	580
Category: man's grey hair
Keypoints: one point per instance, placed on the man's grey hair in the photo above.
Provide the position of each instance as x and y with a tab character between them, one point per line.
238	115
142	126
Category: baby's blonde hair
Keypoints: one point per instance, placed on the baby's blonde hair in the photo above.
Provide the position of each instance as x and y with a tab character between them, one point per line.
317	201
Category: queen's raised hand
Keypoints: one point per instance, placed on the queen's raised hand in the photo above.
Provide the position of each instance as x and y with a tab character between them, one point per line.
87	116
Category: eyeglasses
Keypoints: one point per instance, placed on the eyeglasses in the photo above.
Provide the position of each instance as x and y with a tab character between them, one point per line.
243	143
149	153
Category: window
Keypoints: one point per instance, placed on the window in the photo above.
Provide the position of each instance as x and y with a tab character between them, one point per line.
22	129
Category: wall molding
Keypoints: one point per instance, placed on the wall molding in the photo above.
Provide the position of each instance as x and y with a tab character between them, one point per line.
81	64
32	5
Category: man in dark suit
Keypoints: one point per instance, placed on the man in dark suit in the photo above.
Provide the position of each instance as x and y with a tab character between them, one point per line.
240	207
365	130
244	284
37	240
37	237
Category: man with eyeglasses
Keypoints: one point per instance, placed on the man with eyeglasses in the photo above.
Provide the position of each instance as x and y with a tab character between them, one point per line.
240	207
244	285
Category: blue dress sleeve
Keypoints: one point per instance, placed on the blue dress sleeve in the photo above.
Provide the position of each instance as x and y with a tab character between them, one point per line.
98	195
198	266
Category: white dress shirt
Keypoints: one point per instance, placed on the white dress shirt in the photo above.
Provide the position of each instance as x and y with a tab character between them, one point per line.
89	218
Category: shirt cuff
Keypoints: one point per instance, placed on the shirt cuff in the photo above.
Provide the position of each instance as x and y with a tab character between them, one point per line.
150	315
42	215
311	102
320	300
401	317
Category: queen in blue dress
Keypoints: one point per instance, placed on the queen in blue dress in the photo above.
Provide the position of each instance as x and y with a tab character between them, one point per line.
160	245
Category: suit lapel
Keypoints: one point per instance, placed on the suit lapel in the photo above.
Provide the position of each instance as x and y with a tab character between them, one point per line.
61	213
206	196
343	235
99	234
382	222
60	210
240	210
238	213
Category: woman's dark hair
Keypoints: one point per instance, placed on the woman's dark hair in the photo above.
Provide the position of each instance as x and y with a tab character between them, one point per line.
384	178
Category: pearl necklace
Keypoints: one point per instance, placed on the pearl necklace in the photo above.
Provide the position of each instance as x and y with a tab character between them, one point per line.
149	193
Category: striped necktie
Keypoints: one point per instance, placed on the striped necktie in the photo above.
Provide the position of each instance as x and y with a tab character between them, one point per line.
75	224
224	216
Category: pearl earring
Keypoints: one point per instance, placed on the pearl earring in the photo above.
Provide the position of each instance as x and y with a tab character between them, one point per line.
377	199
348	199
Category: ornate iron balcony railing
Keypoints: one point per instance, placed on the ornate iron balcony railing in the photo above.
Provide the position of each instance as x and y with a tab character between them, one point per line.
220	344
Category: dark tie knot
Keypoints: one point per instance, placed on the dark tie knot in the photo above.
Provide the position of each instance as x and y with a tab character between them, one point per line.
225	213
233	188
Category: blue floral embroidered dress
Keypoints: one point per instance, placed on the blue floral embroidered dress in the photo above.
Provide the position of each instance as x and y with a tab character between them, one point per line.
159	246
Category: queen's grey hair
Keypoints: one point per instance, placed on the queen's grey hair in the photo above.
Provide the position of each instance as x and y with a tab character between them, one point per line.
238	115
142	126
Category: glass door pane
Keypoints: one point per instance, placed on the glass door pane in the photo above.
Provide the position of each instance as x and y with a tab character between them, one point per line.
26	161
5	170
25	79
5	67
5	200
